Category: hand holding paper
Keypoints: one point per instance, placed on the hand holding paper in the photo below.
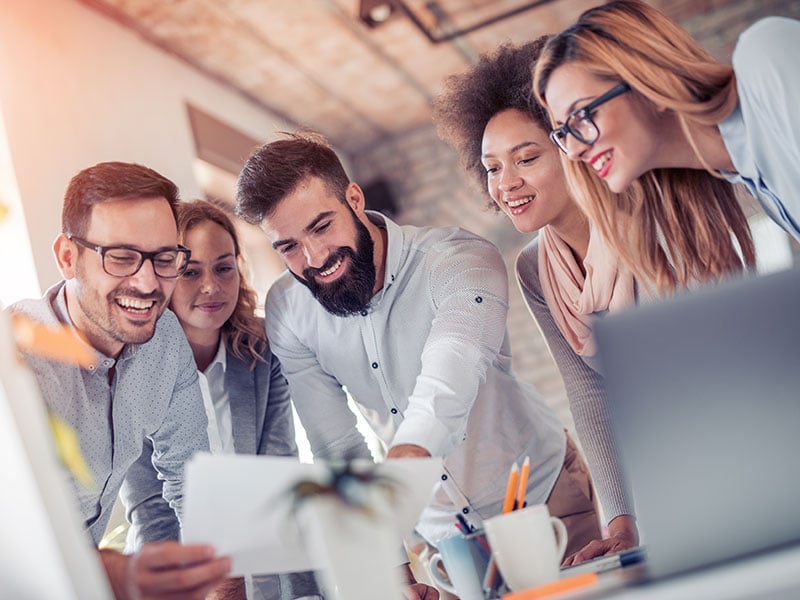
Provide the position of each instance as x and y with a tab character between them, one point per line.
244	507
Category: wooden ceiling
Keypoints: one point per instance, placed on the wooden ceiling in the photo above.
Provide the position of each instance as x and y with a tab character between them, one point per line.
317	65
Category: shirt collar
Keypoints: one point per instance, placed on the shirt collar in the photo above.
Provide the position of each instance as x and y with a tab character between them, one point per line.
59	305
734	137
394	249
220	358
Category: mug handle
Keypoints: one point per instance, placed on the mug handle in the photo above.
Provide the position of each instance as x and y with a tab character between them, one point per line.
561	536
434	564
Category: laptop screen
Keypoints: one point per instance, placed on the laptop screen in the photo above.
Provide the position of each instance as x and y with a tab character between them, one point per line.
705	401
44	551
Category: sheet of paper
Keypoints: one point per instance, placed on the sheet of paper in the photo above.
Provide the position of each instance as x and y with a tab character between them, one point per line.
243	506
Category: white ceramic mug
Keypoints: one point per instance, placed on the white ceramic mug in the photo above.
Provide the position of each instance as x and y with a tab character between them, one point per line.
465	565
528	546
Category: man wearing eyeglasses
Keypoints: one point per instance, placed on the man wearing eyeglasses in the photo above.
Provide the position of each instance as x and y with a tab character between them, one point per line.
119	258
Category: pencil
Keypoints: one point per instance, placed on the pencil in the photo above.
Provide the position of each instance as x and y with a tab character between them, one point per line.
523	483
511	489
557	587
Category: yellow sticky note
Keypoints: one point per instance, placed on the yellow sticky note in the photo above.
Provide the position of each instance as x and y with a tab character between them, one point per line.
55	343
69	450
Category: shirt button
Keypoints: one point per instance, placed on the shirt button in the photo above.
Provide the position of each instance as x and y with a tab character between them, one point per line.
374	365
479	299
444	476
393	411
465	510
364	313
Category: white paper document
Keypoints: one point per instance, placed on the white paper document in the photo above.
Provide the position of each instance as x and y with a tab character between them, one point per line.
244	506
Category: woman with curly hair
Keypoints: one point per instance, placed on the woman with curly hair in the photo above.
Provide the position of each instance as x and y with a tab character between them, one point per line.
653	126
567	275
245	393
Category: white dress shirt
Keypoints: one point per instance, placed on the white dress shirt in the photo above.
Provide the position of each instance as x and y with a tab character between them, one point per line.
428	363
217	404
762	135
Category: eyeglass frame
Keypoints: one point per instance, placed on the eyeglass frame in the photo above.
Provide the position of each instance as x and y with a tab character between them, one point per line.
143	256
586	113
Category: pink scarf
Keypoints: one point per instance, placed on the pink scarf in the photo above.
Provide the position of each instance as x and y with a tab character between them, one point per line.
572	298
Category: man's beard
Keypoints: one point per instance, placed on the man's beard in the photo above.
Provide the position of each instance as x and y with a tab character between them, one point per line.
352	292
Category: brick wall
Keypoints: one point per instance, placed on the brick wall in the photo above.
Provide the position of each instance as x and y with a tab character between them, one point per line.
431	188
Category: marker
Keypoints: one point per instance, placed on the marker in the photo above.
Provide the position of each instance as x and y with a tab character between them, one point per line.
554	588
606	563
462	523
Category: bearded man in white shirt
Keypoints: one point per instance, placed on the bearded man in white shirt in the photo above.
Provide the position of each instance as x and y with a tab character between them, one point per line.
412	321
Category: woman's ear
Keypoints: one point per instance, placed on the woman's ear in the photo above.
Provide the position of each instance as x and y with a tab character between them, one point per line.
66	254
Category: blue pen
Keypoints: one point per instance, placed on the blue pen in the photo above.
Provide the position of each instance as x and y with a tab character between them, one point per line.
632	556
465	527
606	563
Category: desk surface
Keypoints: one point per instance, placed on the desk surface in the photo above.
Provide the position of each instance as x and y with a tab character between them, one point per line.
774	575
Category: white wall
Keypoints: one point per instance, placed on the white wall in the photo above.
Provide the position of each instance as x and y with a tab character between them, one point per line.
17	271
77	89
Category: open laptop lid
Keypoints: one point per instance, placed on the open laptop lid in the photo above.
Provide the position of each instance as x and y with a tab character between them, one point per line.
44	551
705	400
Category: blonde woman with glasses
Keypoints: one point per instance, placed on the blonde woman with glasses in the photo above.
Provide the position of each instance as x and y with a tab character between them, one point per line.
656	130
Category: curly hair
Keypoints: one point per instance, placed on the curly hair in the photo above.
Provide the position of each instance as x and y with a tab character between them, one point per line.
244	332
672	226
499	81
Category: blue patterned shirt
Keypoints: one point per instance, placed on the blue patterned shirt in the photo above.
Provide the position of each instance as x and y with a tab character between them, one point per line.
153	393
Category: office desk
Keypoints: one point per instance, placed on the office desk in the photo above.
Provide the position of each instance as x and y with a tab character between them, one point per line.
770	576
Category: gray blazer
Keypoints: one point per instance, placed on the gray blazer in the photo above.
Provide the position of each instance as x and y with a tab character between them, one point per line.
261	420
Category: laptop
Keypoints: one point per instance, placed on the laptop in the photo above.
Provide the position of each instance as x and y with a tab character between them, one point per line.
44	552
704	392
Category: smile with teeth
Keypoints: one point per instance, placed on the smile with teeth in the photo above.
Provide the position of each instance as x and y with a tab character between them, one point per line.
136	305
601	161
332	270
519	202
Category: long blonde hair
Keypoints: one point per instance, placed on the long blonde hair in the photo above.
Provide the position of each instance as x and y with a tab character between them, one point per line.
243	332
672	226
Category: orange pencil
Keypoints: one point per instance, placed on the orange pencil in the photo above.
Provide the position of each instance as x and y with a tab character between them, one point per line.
523	482
557	587
511	489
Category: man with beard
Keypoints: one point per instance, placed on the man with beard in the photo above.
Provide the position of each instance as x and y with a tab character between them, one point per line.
119	258
412	322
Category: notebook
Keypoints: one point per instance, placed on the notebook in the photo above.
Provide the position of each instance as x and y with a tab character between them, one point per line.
704	392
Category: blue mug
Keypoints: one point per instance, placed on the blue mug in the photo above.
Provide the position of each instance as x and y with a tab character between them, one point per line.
465	562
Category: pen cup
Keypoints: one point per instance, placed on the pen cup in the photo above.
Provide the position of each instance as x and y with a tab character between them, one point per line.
527	545
464	562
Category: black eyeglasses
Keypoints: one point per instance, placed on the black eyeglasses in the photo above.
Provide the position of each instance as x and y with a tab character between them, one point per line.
120	261
580	123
